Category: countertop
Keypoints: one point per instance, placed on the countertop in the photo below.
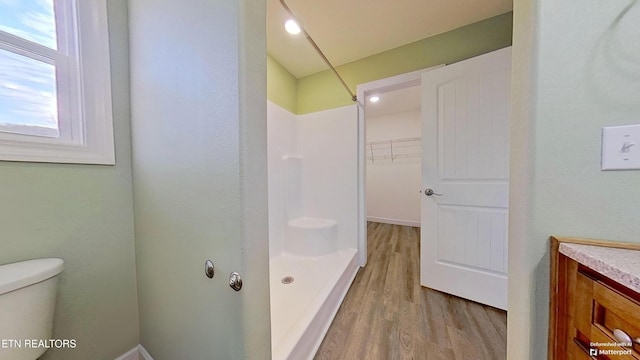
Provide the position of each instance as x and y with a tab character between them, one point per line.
620	265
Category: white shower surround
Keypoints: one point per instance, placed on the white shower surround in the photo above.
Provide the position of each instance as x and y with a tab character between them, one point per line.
311	237
322	148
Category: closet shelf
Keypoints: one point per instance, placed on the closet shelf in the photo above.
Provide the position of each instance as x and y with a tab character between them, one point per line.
404	148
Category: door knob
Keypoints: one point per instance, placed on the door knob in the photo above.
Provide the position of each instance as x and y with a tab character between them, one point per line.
209	269
430	192
235	281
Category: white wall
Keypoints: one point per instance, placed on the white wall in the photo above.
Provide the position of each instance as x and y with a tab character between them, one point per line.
576	68
392	188
328	140
281	140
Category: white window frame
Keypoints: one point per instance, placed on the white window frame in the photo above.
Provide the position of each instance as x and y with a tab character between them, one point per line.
83	76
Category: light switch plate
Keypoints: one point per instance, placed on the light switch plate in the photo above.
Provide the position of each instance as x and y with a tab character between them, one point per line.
621	147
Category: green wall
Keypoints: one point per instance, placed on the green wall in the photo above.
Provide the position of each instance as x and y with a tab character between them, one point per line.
84	215
323	90
200	183
574	72
282	87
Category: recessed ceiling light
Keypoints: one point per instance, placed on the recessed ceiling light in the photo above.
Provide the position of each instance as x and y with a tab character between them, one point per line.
292	27
374	98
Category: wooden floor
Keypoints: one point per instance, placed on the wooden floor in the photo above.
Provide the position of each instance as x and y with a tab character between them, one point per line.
388	315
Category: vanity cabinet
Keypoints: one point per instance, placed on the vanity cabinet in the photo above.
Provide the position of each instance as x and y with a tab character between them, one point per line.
595	300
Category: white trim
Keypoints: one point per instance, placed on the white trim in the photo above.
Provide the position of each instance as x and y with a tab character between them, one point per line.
383	85
34	51
394	221
137	353
84	98
362	205
132	354
144	353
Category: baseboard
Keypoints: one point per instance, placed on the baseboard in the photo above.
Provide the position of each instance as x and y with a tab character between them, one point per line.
144	354
137	353
132	354
393	221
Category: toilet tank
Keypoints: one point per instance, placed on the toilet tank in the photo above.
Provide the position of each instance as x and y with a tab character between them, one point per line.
27	303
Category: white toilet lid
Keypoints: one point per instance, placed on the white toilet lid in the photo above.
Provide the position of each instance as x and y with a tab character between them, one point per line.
18	275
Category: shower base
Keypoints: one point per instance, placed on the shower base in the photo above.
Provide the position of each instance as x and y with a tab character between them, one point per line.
302	311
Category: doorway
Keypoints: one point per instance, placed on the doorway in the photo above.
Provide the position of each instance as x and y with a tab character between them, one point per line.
465	147
395	86
393	144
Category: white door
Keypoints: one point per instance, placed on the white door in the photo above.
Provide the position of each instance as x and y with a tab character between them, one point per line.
465	132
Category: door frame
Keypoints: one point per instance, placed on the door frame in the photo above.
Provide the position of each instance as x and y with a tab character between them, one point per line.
363	90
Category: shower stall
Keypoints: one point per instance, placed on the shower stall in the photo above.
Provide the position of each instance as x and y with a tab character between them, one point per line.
313	223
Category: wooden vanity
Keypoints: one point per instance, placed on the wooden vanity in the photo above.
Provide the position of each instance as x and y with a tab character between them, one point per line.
595	300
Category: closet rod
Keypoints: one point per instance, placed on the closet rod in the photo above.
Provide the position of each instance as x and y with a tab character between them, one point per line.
315	46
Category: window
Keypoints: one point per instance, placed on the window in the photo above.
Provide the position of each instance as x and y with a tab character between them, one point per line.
55	90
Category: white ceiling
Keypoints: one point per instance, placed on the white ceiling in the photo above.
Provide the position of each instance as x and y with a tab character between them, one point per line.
347	30
394	102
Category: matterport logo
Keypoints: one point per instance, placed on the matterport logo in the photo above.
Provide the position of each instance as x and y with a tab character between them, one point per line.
38	344
598	348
